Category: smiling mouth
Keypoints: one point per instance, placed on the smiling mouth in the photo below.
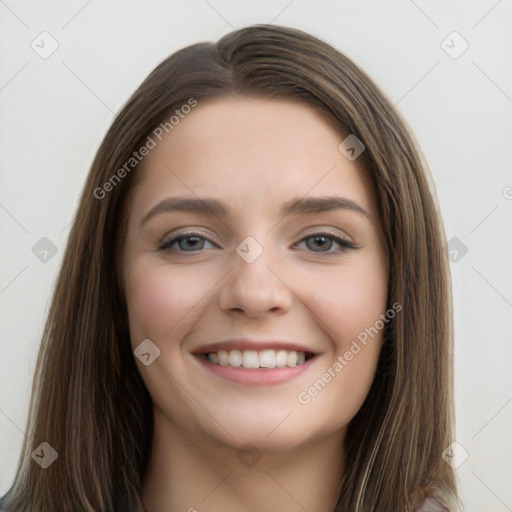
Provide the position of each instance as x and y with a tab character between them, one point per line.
252	359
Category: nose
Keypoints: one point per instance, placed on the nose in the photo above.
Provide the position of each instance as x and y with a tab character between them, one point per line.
256	288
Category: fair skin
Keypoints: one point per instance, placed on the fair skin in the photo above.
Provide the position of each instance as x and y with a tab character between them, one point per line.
254	155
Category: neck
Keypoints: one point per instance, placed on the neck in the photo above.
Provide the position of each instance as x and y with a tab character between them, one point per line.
193	475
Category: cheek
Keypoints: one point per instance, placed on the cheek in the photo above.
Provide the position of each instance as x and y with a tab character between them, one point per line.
158	299
356	301
349	300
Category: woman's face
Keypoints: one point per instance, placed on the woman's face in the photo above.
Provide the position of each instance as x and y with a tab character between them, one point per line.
258	277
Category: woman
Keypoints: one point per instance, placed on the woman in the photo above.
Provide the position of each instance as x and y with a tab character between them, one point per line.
258	371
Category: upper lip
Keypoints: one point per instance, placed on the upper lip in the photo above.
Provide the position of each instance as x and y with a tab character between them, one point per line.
253	344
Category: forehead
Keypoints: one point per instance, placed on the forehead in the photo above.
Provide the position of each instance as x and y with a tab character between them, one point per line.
252	151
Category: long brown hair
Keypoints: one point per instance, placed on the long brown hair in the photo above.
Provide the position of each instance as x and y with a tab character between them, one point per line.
88	399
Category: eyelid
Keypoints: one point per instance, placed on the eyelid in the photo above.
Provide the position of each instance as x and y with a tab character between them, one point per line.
344	244
171	238
342	241
320	230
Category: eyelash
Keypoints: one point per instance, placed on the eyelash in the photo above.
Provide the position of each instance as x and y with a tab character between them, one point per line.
342	242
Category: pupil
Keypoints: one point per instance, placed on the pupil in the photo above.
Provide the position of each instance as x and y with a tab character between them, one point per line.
194	239
320	240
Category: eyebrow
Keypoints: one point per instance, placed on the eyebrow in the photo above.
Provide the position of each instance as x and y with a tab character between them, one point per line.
296	206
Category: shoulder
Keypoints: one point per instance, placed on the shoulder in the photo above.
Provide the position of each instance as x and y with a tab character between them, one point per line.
430	503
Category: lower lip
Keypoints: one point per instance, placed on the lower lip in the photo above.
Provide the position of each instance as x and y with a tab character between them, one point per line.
256	376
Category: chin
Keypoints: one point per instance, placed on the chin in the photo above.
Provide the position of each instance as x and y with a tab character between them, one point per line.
270	431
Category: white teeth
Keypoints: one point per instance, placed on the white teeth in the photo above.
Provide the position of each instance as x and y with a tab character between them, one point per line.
251	359
235	358
268	359
223	358
292	359
281	358
254	359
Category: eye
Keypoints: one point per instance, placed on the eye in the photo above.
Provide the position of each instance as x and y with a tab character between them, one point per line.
192	241
325	241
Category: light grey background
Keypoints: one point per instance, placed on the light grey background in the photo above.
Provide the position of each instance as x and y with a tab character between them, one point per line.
54	112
